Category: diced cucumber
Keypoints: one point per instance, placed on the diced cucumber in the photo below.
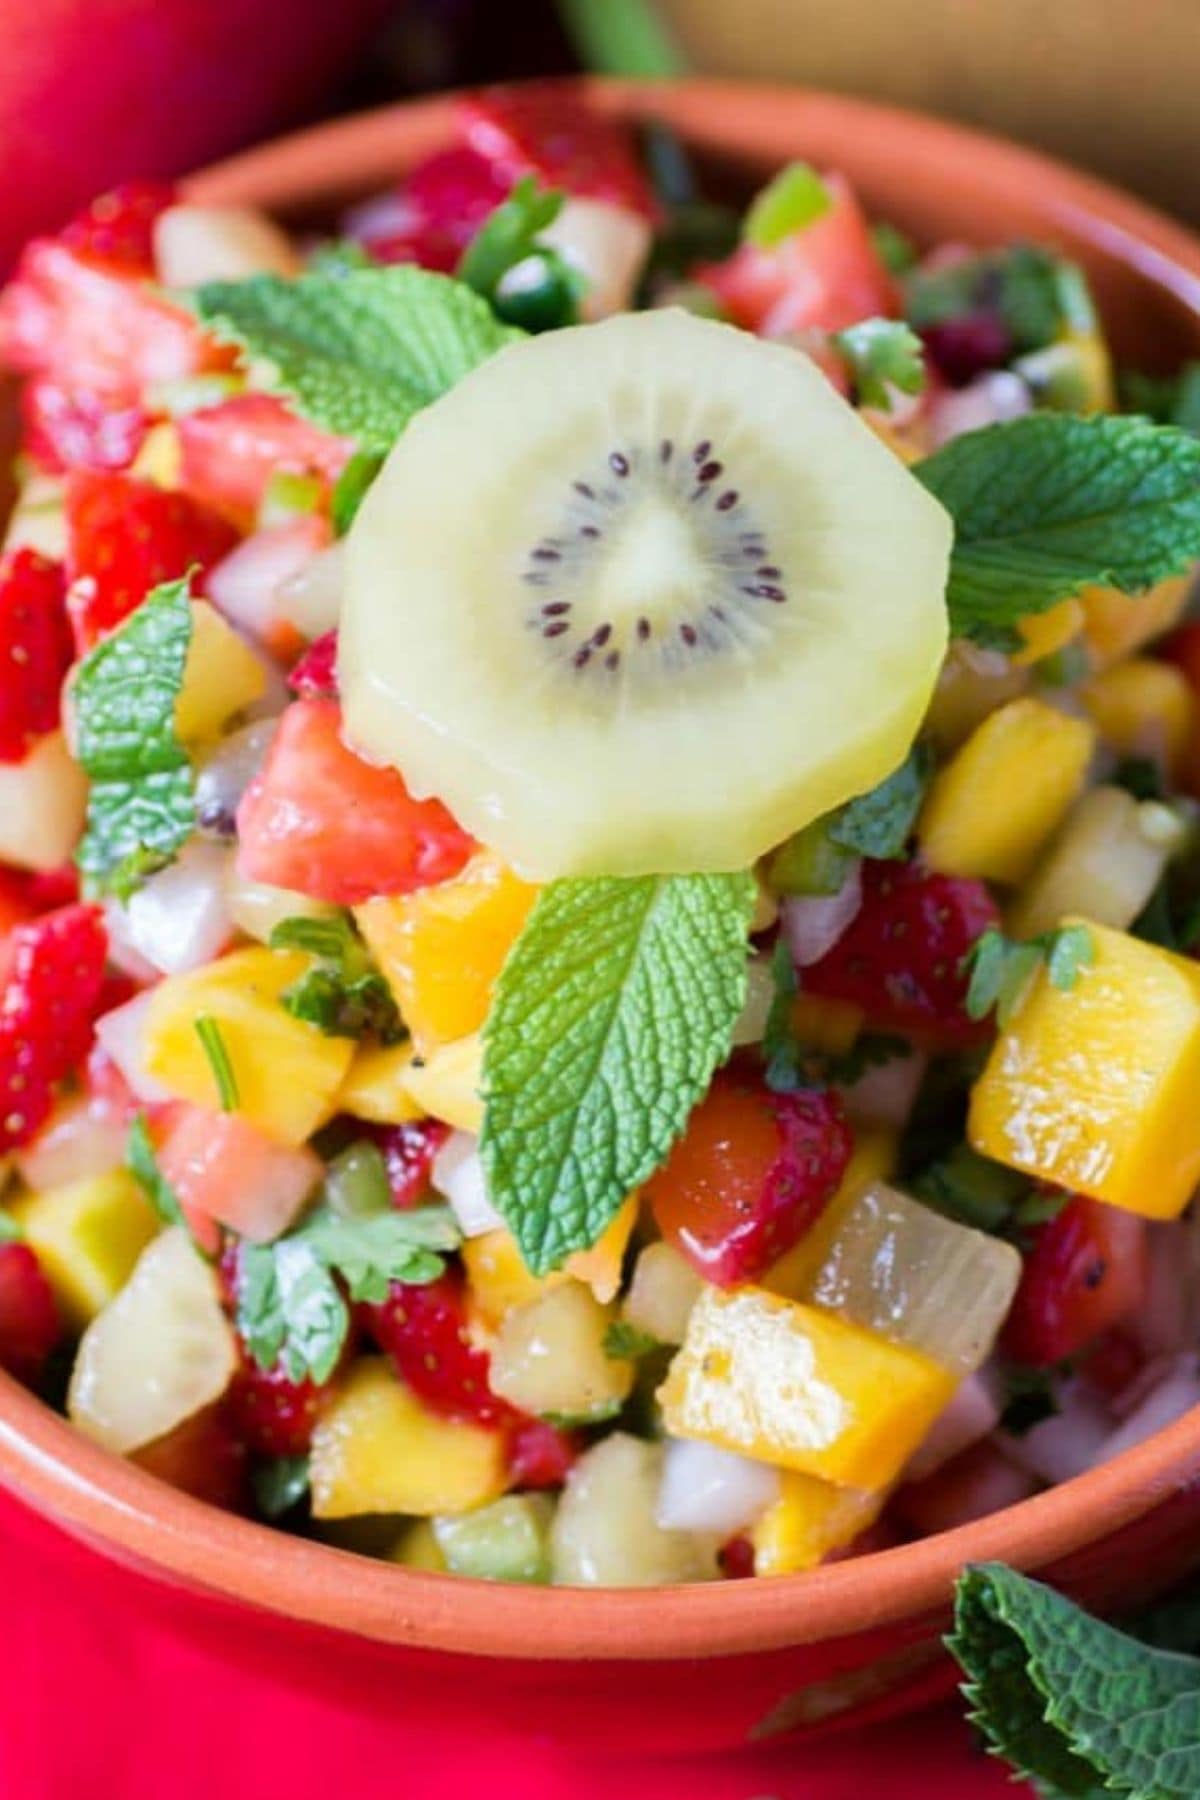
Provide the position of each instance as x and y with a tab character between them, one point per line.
506	1541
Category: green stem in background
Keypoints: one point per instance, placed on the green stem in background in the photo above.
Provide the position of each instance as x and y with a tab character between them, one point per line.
621	37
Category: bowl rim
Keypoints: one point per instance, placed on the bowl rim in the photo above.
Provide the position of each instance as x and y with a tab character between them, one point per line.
125	1512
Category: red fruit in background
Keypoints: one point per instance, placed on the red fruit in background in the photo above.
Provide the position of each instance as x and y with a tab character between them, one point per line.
272	1414
823	277
966	347
124	537
25	893
541	1455
736	1559
545	129
230	452
408	1152
30	1325
900	958
1085	1272
51	980
319	819
68	428
751	1173
424	1331
118	227
35	650
204	1457
315	675
436	211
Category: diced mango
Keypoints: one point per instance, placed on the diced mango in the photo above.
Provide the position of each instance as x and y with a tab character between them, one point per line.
446	1084
831	1026
1143	708
87	1235
1045	632
220	677
809	1520
792	1385
550	1356
1094	1087
498	1278
972	684
378	1449
873	1159
160	458
376	1085
287	1072
441	948
994	805
43	800
418	1548
600	1267
1115	623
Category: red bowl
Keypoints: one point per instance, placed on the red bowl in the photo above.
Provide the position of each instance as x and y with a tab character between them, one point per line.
854	1640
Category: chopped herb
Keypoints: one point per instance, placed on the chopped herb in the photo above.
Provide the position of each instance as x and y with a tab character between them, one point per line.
882	355
895	251
350	489
625	1342
792	200
1035	294
279	1484
1001	969
527	282
213	1045
971	1189
879	824
142	1163
696	233
791	1064
1140	776
345	995
1030	1398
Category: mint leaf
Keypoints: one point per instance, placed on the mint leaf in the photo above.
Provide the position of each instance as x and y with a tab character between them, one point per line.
796	197
345	995
279	1484
373	1250
614	1008
882	354
213	1045
880	823
1048	504
140	806
1002	968
1070	1701
142	1164
358	353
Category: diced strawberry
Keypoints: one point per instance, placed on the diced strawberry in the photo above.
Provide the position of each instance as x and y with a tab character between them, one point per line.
408	1153
315	675
542	1455
546	129
118	227
25	893
30	1325
69	428
962	348
979	1481
823	277
424	1331
228	453
124	537
1087	1270
35	650
320	820
1115	1361
50	986
15	905
751	1173
736	1559
91	326
436	212
223	1168
272	1414
901	957
204	1457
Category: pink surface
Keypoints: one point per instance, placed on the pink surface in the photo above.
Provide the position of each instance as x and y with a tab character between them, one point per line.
98	1700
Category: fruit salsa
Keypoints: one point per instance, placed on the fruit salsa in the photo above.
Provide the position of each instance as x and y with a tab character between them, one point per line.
601	871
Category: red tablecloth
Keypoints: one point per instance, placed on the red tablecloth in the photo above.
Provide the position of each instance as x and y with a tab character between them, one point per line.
104	1705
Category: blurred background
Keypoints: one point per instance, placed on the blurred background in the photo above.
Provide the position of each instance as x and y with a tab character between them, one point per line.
94	91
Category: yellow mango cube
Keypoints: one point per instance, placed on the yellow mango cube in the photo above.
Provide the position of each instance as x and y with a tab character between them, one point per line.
288	1073
87	1236
600	1267
825	1024
793	1385
971	685
1045	632
446	1084
1115	623
809	1520
160	458
872	1159
378	1449
441	948
1094	1087
498	1279
220	677
995	804
1143	708
376	1085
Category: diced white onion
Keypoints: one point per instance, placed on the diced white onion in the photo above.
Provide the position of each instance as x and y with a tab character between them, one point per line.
193	244
76	1143
813	923
705	1488
886	1094
760	995
311	599
662	1293
246	584
608	244
180	918
223	777
458	1175
990	399
121	1034
1070	1441
1175	1395
972	1414
383	216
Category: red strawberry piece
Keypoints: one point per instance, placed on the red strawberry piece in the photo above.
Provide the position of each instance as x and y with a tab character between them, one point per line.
272	1414
966	347
124	537
51	888
230	452
68	428
15	905
204	1457
901	957
53	975
315	675
320	820
541	1455
408	1153
35	650
424	1331
545	129
435	213
118	227
736	1559
1085	1272
749	1176
30	1325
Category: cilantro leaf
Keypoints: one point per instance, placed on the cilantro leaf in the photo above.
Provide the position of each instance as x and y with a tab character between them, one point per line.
1001	968
142	1164
345	995
895	251
375	1249
1048	504
879	824
140	806
280	1484
970	1188
358	353
1035	294
213	1045
508	244
1070	1701
625	1342
882	354
614	1008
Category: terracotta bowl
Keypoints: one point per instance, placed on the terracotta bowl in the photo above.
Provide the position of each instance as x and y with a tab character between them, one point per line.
846	1642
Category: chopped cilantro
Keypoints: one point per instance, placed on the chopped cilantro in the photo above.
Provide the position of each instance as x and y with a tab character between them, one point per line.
142	1163
1001	969
882	354
625	1342
344	995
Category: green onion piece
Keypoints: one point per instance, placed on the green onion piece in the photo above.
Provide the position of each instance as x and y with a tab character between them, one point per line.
213	1044
795	198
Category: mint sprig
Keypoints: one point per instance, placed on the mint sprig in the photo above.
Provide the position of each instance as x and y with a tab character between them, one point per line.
613	1010
141	806
1048	504
1069	1701
361	352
